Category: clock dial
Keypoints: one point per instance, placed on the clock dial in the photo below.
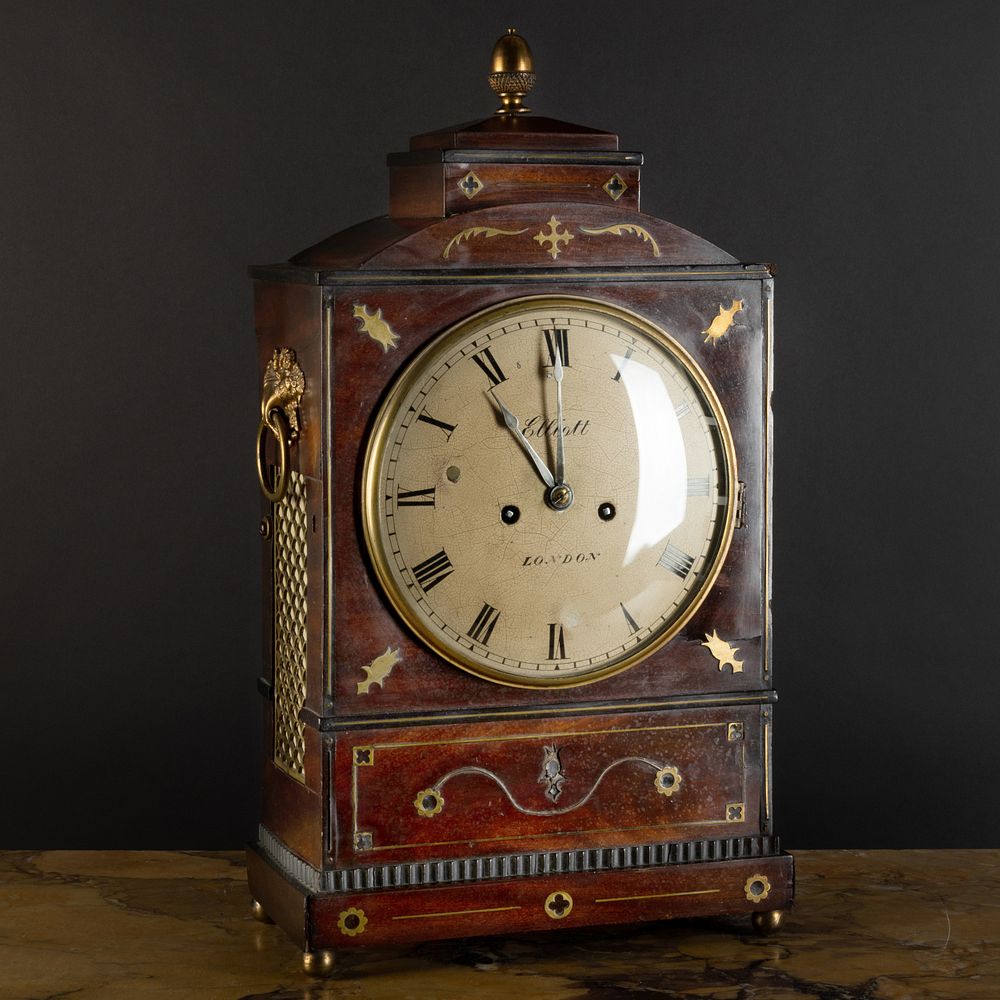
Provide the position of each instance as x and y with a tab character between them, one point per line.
527	563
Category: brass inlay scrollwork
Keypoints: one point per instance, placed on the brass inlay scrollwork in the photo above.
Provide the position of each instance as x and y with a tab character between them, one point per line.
376	327
378	670
487	232
723	652
722	323
553	237
291	527
623	228
430	801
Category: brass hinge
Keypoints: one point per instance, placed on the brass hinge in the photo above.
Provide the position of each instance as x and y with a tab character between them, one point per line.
741	498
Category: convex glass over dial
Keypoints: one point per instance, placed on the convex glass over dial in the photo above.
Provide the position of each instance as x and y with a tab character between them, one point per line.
548	491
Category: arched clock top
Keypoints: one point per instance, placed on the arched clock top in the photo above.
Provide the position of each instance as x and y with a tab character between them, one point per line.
539	235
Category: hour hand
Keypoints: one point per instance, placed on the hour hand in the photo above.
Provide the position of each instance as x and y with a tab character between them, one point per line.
515	428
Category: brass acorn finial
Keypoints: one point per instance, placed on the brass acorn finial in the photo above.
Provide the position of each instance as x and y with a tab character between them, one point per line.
512	73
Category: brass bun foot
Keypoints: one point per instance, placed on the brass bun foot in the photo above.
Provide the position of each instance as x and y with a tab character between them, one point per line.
258	913
318	963
768	922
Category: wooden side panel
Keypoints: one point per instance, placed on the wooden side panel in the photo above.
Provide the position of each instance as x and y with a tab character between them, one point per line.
294	579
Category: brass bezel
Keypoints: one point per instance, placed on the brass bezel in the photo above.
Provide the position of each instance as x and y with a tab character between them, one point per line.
375	450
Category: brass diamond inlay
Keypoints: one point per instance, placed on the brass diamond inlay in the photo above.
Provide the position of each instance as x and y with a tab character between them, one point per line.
291	525
470	185
615	186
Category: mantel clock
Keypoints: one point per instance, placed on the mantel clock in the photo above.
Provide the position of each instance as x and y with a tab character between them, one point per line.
514	445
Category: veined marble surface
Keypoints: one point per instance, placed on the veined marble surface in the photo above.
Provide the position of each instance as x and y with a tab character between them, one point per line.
868	925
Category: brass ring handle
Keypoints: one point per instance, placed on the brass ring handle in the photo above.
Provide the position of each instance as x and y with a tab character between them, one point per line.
275	422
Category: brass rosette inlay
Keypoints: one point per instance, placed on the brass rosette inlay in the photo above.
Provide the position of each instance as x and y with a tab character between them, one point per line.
668	780
559	904
352	921
429	802
757	888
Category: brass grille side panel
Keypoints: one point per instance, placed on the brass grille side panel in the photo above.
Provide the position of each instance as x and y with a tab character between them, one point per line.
290	581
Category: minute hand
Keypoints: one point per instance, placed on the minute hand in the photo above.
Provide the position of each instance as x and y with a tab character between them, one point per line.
515	428
557	374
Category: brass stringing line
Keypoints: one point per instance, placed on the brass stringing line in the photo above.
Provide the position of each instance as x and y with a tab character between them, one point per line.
767	770
546	736
454	913
561	833
735	699
439	785
354	794
658	895
351	279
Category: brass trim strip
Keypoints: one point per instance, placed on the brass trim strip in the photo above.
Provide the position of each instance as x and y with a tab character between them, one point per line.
767	770
507	738
658	895
752	698
326	430
550	835
454	913
360	278
767	293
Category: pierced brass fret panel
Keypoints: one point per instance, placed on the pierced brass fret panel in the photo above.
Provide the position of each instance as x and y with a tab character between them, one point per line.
290	545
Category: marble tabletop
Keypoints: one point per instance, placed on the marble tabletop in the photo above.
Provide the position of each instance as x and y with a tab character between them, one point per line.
868	925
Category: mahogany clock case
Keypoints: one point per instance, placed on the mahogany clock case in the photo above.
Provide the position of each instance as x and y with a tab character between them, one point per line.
402	796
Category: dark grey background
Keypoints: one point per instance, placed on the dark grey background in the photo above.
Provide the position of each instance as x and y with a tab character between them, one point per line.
148	152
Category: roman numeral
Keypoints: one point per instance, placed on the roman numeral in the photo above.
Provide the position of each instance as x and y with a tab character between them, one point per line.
683	410
633	625
432	570
625	361
415	498
676	560
557	339
428	419
482	627
698	486
489	365
557	642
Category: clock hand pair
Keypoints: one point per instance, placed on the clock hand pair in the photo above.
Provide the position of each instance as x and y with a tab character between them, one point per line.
514	426
557	374
559	495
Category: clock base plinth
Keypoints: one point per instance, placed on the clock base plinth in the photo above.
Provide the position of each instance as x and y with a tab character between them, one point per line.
325	922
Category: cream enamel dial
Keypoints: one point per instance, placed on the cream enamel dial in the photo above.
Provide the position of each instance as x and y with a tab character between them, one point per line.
534	565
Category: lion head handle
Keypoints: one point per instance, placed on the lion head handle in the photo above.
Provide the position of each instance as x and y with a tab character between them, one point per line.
284	384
